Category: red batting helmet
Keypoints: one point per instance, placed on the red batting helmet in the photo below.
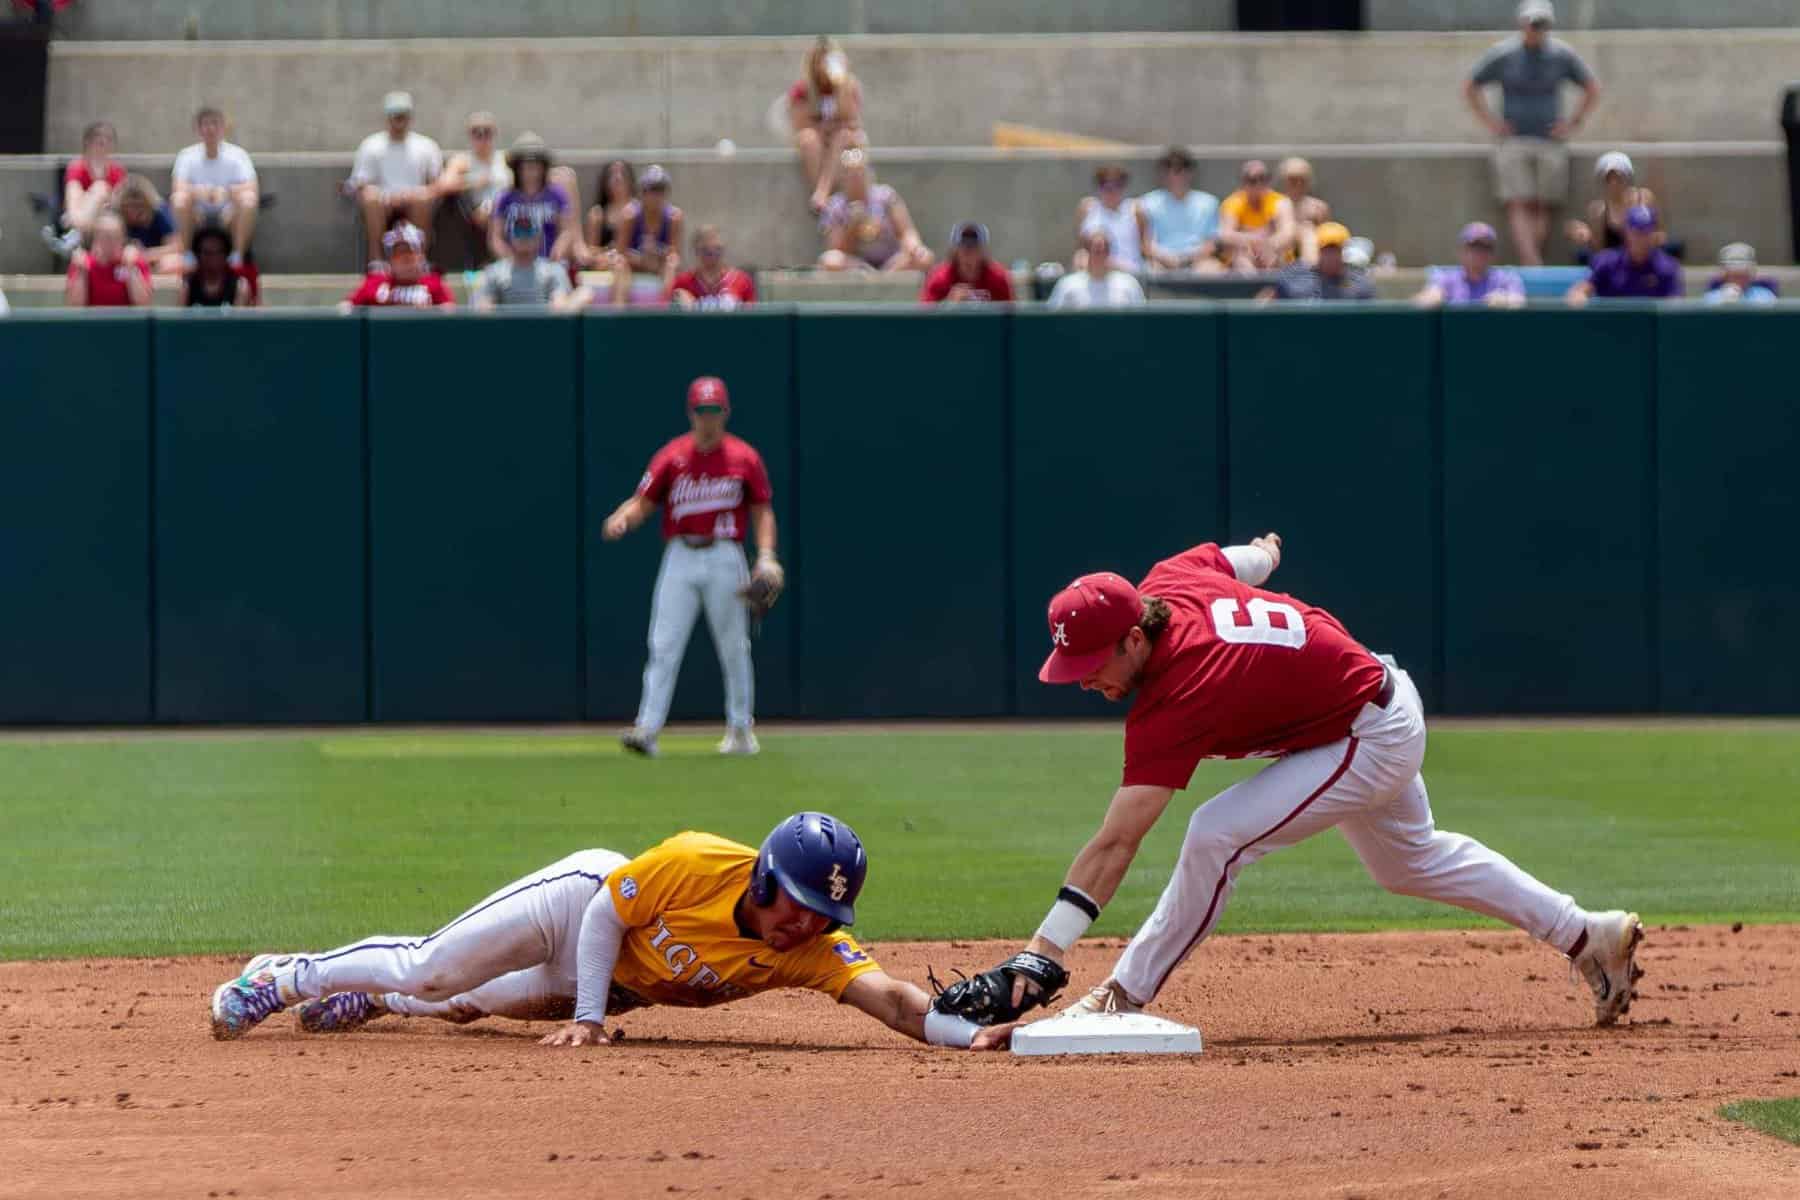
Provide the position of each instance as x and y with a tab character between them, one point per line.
708	391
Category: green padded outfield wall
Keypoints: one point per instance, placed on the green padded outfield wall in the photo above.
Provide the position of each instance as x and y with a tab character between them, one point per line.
635	373
1330	416
902	517
1728	459
75	641
474	549
1116	423
259	517
1549	511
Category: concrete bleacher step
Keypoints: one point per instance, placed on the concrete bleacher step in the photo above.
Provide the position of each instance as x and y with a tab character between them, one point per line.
1409	199
1223	89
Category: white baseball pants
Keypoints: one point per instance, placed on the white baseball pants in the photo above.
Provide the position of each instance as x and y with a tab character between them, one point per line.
690	579
1367	785
512	955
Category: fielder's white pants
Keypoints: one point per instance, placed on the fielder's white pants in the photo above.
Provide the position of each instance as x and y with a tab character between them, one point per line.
512	955
1367	785
691	579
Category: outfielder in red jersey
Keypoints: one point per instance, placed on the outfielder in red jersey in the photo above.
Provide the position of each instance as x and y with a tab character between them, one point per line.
1223	669
713	490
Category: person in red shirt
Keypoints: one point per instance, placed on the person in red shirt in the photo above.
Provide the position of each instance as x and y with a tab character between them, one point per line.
968	275
408	280
1220	668
712	283
713	489
91	183
110	274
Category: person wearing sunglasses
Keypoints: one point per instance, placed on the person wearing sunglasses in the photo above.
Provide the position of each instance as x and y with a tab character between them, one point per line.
1111	212
1257	230
476	177
712	283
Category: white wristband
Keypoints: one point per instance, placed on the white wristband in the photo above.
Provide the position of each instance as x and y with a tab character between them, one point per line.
947	1029
1064	924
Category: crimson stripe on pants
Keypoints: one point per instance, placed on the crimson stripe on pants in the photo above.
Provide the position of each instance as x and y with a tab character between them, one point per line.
1225	873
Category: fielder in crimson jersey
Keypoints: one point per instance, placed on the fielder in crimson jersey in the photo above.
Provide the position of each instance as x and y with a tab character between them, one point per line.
1221	668
713	490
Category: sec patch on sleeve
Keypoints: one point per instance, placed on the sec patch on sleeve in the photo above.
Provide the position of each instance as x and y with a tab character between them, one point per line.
849	953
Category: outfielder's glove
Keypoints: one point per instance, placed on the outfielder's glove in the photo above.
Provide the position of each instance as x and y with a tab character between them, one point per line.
764	588
987	998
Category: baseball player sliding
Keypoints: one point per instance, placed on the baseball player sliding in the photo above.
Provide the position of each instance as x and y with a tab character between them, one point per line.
1220	668
713	488
695	921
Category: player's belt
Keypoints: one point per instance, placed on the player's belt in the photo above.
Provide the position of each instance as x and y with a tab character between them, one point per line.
697	543
1385	696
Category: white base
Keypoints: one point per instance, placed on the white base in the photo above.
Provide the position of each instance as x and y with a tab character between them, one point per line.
1106	1033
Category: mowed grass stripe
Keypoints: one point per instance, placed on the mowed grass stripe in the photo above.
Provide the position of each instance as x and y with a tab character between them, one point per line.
1778	1117
163	846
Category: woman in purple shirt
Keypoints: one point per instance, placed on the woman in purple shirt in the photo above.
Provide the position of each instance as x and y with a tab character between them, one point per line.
534	196
1478	280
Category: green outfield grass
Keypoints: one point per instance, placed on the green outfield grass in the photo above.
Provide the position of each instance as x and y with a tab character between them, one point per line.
1779	1117
148	845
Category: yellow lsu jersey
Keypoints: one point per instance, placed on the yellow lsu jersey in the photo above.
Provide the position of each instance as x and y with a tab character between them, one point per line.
682	943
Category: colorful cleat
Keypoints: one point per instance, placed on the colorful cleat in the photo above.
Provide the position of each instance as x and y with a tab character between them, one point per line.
245	1002
339	1013
1608	961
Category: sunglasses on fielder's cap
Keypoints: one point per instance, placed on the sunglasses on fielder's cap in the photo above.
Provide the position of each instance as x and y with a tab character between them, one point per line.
707	394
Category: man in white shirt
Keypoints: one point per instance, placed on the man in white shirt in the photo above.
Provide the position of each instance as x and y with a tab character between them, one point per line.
394	171
214	183
1101	285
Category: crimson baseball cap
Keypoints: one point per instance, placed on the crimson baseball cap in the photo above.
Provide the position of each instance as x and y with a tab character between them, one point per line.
708	391
1087	619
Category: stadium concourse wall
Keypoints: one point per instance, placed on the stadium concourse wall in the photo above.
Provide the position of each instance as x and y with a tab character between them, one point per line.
301	517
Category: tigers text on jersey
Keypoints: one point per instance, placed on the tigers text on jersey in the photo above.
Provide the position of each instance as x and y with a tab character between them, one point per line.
706	495
1239	672
682	943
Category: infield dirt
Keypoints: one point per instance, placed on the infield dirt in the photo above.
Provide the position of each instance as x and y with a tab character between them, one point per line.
1372	1065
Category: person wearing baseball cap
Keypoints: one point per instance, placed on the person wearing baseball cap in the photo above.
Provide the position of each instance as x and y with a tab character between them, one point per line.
395	173
1531	159
1328	279
1737	281
1638	270
1604	227
524	278
1477	280
406	280
967	275
1217	666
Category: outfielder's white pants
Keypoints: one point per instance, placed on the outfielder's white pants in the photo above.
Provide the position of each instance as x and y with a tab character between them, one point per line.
691	579
512	955
1367	785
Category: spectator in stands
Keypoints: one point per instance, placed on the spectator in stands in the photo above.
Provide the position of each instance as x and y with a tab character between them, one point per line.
1737	281
825	114
712	283
967	275
1477	280
214	183
1179	225
1310	211
1639	269
615	191
111	273
1099	284
1531	162
91	183
1331	278
867	225
394	173
1604	228
149	226
406	280
1256	224
524	278
1109	209
215	281
535	196
475	178
4	307
649	238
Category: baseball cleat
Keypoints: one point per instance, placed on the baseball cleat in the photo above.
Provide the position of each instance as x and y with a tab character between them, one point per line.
339	1013
1608	961
739	740
245	1002
639	742
1107	997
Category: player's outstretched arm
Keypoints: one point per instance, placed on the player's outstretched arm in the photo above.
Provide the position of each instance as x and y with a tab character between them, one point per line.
904	1007
1100	867
1253	564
